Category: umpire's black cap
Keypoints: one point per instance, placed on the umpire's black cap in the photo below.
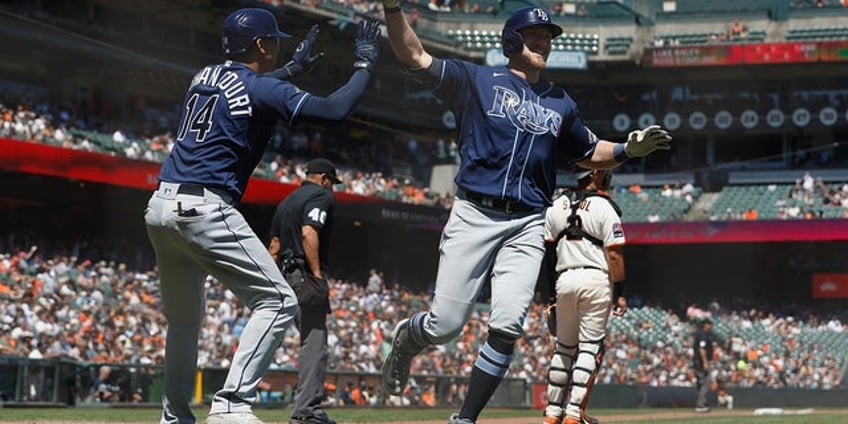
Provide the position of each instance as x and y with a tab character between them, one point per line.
323	166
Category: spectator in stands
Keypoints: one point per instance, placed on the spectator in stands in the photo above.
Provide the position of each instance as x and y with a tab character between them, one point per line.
581	10
415	16
737	30
105	385
375	282
751	214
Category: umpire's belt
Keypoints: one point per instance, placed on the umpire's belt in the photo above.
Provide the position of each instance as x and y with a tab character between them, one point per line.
501	205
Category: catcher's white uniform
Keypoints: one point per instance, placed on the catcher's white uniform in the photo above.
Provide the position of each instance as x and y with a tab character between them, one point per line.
583	295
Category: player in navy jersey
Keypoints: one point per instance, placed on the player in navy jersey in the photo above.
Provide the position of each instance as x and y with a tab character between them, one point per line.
228	116
514	127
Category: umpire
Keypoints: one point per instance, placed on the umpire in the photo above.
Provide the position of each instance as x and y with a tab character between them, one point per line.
299	231
703	352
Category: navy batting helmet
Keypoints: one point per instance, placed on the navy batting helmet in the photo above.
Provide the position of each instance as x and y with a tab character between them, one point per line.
244	26
511	39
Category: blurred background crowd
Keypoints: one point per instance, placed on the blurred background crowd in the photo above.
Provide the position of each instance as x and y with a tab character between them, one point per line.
99	311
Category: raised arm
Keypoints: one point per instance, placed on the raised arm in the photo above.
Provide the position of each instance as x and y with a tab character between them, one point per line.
405	43
339	104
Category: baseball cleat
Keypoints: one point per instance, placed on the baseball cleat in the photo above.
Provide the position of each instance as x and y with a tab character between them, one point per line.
396	367
552	420
454	419
589	420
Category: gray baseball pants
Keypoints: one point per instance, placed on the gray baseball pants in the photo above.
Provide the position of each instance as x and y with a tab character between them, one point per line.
703	386
480	245
213	239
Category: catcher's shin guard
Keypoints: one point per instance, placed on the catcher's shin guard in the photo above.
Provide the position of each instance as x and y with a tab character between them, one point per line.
586	367
559	376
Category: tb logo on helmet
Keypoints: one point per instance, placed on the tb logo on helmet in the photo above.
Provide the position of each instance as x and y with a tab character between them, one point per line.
541	14
511	39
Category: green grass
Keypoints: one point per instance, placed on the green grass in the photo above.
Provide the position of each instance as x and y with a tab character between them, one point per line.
373	415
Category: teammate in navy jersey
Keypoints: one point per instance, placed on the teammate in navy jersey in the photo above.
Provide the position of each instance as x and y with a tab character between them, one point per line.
228	116
513	128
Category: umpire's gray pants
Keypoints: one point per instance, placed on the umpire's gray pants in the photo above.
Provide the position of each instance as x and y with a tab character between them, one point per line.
216	240
704	381
312	323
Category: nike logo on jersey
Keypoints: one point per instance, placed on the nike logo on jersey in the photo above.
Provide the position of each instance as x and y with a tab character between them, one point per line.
498	74
524	114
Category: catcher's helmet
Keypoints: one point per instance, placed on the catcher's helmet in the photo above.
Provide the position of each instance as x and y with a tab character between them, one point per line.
244	26
511	39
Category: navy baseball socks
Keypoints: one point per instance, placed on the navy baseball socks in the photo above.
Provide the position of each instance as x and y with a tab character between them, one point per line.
407	341
489	370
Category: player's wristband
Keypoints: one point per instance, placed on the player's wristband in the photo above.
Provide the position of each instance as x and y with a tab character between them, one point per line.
619	152
617	290
391	6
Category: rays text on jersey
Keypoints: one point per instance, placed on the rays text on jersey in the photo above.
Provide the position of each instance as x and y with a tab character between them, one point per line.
523	113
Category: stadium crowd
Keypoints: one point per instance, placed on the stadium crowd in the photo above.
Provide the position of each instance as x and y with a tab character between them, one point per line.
60	126
99	311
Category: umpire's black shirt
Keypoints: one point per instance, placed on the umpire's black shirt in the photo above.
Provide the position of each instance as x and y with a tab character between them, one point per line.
311	204
703	340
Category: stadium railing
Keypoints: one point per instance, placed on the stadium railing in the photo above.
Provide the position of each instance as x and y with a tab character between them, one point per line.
59	381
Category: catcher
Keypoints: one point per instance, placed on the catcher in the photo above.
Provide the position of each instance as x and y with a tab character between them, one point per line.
584	240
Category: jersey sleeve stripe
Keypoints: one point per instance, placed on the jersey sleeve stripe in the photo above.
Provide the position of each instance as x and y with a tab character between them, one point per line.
297	108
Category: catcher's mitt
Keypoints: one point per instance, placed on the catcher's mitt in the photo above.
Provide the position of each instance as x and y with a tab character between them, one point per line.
550	314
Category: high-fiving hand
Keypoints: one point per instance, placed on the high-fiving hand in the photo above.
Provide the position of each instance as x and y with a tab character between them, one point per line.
304	57
645	141
367	44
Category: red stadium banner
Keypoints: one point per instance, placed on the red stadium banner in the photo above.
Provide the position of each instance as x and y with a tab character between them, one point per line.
44	159
736	231
830	286
750	54
780	53
712	55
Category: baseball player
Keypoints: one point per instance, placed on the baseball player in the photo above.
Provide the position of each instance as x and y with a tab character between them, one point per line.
229	114
299	232
513	127
584	233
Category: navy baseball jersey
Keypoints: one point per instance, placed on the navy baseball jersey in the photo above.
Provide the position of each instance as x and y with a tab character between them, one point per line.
539	122
312	205
229	113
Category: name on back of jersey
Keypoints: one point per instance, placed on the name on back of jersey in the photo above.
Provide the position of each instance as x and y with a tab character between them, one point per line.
228	83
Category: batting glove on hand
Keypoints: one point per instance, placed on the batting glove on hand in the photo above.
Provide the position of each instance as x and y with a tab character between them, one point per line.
367	48
390	4
304	57
643	142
